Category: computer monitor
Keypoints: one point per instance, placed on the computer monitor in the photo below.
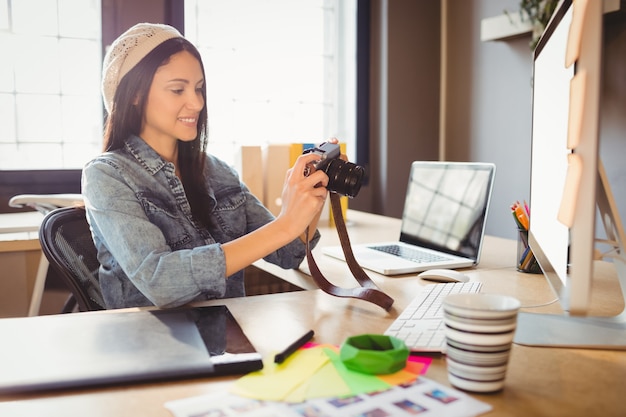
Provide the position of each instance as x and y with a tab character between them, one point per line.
567	181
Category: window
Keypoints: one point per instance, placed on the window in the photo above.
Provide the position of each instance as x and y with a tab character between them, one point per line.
278	71
50	103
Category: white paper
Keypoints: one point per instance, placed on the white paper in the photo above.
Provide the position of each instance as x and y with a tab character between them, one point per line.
423	397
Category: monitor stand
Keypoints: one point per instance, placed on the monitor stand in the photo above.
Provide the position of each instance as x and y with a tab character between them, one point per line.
587	332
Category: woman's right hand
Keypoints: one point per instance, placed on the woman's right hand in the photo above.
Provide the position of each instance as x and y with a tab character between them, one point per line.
303	196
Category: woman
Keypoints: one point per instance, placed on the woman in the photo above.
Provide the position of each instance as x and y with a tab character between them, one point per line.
171	223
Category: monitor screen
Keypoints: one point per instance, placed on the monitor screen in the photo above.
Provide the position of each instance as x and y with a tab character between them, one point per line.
564	153
565	173
551	91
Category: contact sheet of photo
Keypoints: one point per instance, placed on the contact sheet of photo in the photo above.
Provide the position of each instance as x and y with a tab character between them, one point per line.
423	397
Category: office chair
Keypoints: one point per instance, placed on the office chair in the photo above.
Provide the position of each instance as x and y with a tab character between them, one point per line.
44	204
66	242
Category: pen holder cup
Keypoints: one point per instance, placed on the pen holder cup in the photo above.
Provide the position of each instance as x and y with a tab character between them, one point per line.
526	261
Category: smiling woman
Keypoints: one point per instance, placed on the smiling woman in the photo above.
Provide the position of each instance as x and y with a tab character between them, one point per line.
287	68
172	223
174	103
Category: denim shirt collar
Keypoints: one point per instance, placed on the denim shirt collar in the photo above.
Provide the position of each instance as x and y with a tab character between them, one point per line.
145	155
152	162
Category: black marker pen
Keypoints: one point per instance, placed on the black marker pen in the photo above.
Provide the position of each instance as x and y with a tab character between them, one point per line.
280	358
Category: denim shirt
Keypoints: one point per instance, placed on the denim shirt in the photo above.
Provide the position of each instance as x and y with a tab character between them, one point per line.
150	250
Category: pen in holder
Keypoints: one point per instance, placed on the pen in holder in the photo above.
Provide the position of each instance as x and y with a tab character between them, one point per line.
526	261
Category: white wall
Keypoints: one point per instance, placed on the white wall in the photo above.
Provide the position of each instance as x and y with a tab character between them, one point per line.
488	104
486	110
404	99
489	112
487	101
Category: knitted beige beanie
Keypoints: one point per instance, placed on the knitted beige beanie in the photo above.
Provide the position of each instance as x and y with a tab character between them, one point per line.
127	50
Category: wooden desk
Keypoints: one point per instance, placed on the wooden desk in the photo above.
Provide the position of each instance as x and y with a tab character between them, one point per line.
24	226
24	222
540	381
364	228
20	257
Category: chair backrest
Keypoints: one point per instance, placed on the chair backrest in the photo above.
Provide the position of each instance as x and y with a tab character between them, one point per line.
66	241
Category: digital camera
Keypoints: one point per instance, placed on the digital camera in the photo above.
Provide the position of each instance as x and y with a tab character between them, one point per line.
343	177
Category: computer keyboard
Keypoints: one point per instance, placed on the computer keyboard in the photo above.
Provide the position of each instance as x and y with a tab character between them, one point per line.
412	254
420	325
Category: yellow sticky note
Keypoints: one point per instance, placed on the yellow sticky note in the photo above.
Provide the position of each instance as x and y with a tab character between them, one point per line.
567	209
398	378
326	382
577	101
576	30
275	382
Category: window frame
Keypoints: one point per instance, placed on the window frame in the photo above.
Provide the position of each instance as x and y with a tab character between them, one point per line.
115	17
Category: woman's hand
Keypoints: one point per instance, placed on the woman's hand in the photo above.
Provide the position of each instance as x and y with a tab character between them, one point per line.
303	196
303	199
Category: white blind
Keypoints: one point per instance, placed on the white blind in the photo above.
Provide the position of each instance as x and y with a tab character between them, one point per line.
278	71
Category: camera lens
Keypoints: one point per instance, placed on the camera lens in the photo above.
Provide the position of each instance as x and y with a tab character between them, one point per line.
344	177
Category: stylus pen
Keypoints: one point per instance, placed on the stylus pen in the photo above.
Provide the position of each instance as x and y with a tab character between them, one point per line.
280	357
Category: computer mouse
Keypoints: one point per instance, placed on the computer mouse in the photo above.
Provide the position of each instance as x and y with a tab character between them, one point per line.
443	275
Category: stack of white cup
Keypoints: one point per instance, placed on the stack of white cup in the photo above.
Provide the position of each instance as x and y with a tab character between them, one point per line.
479	334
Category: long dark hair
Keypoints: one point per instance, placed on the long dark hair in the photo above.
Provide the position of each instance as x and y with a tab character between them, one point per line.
126	117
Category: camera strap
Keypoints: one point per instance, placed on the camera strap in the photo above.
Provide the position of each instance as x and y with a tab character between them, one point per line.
368	290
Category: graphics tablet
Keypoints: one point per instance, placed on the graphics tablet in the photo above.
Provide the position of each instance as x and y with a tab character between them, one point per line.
102	348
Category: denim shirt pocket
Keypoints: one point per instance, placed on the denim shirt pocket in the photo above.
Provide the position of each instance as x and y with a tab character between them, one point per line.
165	216
230	213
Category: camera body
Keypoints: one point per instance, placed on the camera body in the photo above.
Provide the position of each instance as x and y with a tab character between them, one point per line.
344	177
327	151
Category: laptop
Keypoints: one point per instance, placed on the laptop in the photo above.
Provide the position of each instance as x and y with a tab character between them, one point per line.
443	221
80	350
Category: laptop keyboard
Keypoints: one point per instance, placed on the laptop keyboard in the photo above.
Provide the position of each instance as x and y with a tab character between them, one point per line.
420	325
412	254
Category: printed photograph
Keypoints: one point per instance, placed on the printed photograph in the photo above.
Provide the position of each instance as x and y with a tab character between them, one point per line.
410	407
441	396
308	410
342	402
376	412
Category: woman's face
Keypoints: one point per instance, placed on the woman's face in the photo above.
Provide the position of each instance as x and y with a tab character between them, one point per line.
174	102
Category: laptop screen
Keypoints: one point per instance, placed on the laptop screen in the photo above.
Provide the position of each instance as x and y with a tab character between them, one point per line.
446	206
